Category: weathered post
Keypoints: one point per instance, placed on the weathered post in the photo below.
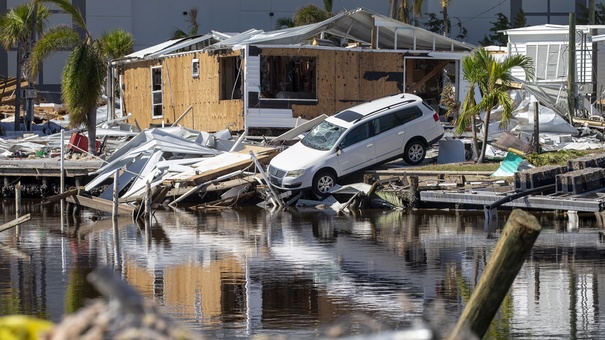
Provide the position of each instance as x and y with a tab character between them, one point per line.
536	141
148	212
116	238
513	247
414	194
17	205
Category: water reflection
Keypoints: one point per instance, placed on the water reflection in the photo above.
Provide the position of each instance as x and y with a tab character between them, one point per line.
237	273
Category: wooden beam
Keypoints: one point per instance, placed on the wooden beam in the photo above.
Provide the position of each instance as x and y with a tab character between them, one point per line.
70	192
428	76
15	222
100	204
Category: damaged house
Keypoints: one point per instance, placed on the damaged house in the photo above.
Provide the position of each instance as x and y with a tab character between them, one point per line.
272	81
548	46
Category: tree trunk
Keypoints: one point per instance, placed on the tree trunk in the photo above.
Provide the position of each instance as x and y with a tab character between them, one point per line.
485	133
404	12
92	131
393	9
446	22
475	144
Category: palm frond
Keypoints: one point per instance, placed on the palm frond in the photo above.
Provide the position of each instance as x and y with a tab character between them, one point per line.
82	82
116	43
283	22
55	39
72	10
309	14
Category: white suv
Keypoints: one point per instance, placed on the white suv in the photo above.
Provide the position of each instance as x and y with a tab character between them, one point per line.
401	125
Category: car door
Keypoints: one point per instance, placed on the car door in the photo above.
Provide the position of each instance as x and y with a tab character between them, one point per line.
356	150
410	125
388	139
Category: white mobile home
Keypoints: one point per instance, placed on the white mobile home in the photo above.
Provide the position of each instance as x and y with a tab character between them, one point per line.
548	46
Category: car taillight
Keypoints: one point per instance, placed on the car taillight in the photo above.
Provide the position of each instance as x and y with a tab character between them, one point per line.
436	116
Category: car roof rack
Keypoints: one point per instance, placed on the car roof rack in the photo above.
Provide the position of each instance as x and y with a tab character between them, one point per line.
382	109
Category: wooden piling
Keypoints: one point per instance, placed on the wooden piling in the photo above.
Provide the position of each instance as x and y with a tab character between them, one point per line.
17	206
116	238
513	247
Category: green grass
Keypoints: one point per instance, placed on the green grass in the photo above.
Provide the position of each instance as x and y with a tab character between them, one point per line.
467	166
546	158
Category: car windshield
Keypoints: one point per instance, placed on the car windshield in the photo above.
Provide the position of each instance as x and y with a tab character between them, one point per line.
323	136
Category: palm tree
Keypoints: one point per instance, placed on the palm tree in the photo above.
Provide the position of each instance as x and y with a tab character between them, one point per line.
193	26
493	78
404	14
284	23
473	74
309	14
16	30
85	67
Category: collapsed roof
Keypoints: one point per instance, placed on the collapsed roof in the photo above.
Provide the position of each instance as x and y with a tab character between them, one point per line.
356	25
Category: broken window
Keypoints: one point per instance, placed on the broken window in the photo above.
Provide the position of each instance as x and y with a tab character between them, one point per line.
230	78
550	61
157	110
288	77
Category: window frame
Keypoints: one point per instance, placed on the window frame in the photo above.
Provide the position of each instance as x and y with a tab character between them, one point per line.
281	79
157	93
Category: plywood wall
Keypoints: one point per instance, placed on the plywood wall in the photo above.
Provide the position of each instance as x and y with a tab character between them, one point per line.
180	91
347	78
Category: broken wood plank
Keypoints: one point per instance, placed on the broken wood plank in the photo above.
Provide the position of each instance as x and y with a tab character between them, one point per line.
15	222
100	204
57	198
262	157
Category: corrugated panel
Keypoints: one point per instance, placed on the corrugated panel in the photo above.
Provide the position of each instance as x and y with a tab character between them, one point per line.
253	73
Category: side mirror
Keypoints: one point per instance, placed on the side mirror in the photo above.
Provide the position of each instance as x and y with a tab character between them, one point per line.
338	151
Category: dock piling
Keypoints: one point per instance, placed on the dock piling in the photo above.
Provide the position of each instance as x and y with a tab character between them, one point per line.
116	238
513	247
17	206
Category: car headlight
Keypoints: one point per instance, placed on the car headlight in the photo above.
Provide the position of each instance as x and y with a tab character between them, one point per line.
295	173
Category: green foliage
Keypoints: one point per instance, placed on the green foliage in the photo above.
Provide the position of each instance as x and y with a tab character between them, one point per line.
435	25
116	43
85	67
520	19
490	166
193	26
309	14
16	24
55	39
284	23
16	31
599	15
493	79
496	38
554	158
83	77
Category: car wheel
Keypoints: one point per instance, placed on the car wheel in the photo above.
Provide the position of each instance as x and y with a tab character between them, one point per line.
414	152
323	181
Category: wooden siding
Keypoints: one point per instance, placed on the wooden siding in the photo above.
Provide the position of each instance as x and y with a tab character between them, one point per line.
181	90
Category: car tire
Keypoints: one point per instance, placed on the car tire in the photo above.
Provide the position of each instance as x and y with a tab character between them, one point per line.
323	181
414	152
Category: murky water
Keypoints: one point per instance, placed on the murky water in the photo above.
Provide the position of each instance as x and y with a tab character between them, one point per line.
240	273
